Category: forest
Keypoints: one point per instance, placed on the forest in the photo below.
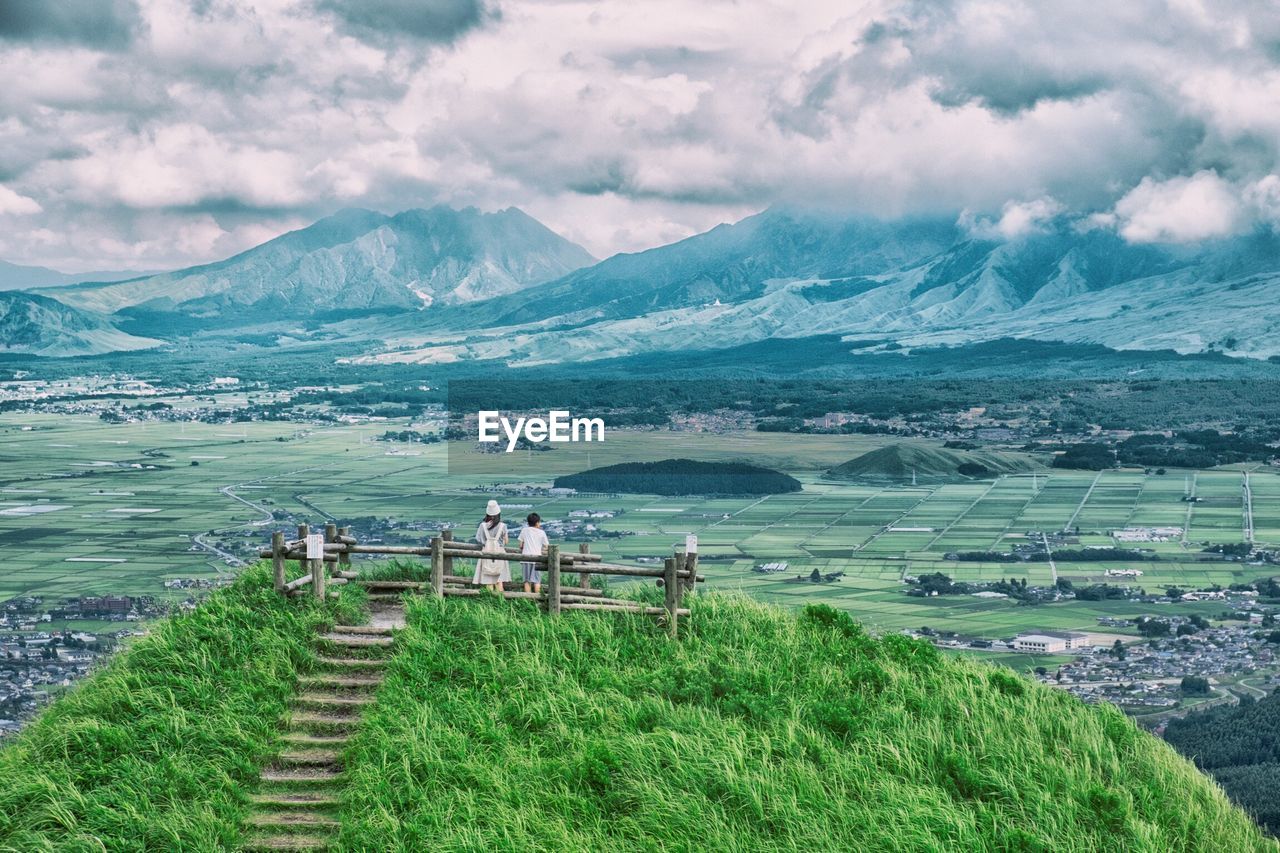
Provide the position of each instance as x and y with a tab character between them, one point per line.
681	477
1239	745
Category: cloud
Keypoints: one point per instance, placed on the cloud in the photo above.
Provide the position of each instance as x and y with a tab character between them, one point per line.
1180	210
166	131
1017	219
104	24
439	21
12	204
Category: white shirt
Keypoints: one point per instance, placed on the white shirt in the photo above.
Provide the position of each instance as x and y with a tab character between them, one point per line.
532	540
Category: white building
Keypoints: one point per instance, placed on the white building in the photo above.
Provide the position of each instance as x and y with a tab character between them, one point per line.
1124	573
1049	642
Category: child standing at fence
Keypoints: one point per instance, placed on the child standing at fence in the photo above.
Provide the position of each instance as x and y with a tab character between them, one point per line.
492	536
533	542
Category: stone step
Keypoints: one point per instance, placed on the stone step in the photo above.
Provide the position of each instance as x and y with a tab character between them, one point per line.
355	641
295	800
303	739
353	682
289	842
291	819
333	700
362	629
309	757
315	718
301	775
362	664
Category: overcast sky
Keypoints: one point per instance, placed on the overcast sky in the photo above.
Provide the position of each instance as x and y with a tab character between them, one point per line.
159	133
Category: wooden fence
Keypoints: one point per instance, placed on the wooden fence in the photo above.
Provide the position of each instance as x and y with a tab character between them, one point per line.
677	576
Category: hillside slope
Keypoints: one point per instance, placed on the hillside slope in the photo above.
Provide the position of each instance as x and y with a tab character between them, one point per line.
38	325
900	461
499	728
158	750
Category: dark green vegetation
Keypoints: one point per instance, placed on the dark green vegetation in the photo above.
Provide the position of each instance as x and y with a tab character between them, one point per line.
681	477
1240	746
500	729
900	462
1203	448
159	749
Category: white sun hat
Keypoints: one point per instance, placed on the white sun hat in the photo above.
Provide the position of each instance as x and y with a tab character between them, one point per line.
493	508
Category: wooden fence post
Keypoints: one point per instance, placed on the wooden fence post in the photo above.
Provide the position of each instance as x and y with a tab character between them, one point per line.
437	565
344	559
317	566
691	565
447	536
304	530
584	579
670	593
277	559
553	580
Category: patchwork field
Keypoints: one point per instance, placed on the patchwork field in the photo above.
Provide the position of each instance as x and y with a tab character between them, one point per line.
88	507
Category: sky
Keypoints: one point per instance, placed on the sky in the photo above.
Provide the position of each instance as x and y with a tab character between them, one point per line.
149	134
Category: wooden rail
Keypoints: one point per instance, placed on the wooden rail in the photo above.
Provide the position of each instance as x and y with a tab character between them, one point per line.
677	576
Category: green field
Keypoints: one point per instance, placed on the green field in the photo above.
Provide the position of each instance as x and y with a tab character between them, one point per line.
87	507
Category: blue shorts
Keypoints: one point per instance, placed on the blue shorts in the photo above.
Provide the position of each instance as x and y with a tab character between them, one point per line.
531	573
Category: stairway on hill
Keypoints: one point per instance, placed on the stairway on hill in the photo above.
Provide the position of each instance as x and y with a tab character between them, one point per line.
300	791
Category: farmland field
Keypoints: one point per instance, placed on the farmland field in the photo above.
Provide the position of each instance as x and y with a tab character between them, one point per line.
88	507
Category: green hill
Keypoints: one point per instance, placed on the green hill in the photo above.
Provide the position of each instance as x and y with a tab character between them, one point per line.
681	477
897	462
499	728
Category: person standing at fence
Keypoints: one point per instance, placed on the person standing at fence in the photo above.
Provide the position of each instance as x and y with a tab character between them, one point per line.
533	542
492	536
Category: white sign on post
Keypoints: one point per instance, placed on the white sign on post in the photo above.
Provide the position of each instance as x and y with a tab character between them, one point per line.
315	546
691	544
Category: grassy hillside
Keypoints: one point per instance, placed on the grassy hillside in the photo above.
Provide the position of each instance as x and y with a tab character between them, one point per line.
158	750
897	462
498	728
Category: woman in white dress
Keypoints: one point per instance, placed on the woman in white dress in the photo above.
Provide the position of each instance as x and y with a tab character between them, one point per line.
492	536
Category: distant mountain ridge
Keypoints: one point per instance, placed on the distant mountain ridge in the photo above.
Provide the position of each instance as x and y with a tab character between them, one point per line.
502	287
783	274
355	260
19	277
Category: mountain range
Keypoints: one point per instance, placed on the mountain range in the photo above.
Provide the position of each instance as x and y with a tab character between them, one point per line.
442	285
18	277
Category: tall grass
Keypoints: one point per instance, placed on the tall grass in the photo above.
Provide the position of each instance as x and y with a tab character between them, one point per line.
498	728
157	750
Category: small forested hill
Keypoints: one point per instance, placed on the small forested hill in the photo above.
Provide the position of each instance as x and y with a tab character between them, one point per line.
498	728
1240	746
901	461
681	477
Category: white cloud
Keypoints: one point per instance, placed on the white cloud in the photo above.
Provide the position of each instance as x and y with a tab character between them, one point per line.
623	124
1017	219
1180	210
13	204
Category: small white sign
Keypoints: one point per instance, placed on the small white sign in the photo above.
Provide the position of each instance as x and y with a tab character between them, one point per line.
315	546
691	544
